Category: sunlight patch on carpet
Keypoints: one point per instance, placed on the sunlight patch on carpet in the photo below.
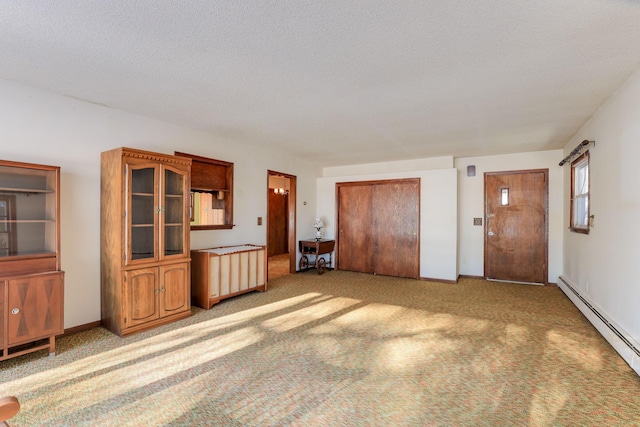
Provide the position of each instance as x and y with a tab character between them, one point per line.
126	379
572	346
137	351
308	314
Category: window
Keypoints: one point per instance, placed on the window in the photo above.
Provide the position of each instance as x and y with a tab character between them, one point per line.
504	197
211	193
580	194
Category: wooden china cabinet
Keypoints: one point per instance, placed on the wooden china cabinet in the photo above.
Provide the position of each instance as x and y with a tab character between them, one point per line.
31	282
145	258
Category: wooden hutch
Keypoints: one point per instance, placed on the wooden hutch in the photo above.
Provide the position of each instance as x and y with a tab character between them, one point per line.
145	260
31	282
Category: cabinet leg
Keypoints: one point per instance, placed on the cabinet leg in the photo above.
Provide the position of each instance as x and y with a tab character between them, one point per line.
52	345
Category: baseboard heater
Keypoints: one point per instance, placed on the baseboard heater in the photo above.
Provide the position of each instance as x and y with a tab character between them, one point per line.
603	319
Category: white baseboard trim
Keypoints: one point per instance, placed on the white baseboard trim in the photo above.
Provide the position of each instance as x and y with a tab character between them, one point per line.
623	343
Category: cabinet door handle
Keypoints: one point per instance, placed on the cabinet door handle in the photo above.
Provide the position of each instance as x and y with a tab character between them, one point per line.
15	311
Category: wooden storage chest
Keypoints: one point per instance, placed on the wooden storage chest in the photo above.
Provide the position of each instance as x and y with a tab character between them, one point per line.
224	272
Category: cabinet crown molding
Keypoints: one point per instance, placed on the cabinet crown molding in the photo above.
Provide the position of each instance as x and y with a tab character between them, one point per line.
147	155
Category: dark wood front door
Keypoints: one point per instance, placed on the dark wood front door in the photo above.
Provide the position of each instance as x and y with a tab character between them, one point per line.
378	226
516	242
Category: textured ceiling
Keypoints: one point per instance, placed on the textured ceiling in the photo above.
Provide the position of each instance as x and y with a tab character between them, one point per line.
345	81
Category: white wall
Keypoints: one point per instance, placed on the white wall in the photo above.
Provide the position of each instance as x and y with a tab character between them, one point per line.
39	127
603	264
471	205
430	163
438	211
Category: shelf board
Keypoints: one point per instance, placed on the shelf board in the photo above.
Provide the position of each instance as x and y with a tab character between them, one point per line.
25	221
29	255
24	190
142	255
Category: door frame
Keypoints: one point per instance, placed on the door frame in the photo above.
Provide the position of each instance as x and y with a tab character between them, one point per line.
546	218
291	212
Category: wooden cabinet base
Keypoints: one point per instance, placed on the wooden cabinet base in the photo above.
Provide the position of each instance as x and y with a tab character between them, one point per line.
149	296
31	313
19	350
214	301
153	324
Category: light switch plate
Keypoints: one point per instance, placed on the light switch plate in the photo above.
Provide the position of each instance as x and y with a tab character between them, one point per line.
259	220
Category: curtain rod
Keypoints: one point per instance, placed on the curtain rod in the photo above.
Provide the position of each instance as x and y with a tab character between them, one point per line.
577	150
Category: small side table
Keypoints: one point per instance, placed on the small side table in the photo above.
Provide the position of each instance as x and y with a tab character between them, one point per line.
314	248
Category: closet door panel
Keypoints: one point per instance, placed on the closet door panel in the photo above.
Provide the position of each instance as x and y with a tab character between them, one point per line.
355	234
396	216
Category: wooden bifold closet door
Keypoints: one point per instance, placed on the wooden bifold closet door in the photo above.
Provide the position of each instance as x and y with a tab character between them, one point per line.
378	223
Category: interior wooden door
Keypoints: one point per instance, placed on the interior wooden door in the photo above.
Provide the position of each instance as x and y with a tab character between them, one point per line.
355	228
378	226
396	215
516	238
277	233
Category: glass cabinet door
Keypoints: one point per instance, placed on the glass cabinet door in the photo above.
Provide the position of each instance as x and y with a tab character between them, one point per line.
142	212
174	216
7	225
28	211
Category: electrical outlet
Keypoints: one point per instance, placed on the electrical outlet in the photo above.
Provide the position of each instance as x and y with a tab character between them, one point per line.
477	221
259	220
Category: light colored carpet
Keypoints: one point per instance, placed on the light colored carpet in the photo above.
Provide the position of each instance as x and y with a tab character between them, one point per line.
341	349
